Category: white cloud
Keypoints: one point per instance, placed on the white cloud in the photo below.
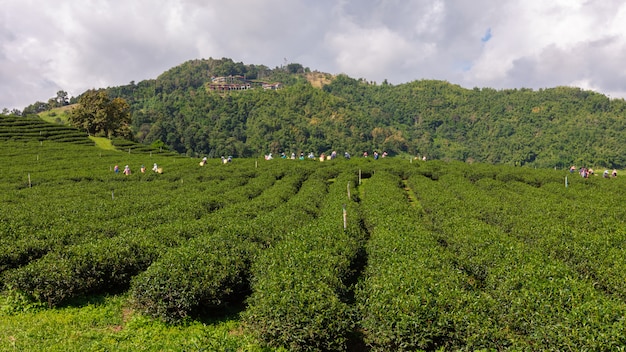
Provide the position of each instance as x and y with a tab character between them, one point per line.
372	53
75	45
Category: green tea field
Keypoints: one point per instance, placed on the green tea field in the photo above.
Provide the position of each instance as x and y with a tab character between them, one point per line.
302	255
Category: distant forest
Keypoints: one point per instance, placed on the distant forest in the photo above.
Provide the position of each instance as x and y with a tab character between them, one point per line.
554	127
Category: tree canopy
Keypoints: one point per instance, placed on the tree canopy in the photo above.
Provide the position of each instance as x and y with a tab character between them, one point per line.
549	127
98	114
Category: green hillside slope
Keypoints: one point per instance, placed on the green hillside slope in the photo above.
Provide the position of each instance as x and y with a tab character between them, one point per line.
217	107
34	128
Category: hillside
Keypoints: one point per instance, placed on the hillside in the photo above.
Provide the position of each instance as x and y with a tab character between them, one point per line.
34	128
301	255
28	129
318	112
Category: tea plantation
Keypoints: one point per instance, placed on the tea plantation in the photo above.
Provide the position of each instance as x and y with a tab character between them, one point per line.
302	255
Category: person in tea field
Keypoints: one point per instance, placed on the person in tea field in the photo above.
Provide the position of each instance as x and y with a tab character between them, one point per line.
126	170
605	174
155	168
203	162
614	173
116	169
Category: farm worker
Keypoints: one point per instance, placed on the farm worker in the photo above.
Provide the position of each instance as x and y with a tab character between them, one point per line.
614	173
155	168
116	169
126	170
572	169
605	174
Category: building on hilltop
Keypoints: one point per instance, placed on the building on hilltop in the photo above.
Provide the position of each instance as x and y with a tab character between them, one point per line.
228	83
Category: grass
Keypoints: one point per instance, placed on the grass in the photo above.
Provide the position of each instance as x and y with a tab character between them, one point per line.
319	79
102	143
105	324
56	115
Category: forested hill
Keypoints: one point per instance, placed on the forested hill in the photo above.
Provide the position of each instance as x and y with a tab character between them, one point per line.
187	110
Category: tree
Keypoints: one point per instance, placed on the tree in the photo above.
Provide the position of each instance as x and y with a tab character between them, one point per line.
98	114
35	108
295	68
61	98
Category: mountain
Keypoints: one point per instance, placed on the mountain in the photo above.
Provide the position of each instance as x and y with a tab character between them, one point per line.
218	107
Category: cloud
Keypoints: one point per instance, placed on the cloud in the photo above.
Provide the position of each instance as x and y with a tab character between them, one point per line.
99	43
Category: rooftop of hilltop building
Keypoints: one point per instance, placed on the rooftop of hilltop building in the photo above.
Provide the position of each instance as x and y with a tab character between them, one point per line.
237	82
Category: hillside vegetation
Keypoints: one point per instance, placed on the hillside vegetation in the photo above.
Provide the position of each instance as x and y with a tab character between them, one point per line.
218	107
554	127
255	254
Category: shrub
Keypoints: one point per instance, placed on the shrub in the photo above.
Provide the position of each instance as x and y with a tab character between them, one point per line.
105	265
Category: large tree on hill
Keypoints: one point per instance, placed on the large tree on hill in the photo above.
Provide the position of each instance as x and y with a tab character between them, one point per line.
99	115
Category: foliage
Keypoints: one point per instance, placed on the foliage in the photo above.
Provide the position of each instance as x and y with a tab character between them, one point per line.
97	114
252	254
207	273
82	269
300	286
558	126
33	128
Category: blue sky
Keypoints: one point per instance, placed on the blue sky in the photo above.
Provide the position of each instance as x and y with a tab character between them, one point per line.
76	45
487	36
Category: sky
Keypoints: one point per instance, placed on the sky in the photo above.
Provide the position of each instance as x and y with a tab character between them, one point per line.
74	45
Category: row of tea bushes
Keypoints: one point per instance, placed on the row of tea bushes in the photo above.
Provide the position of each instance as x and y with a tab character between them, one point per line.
410	289
525	296
301	286
67	272
57	216
103	266
212	270
592	249
22	128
